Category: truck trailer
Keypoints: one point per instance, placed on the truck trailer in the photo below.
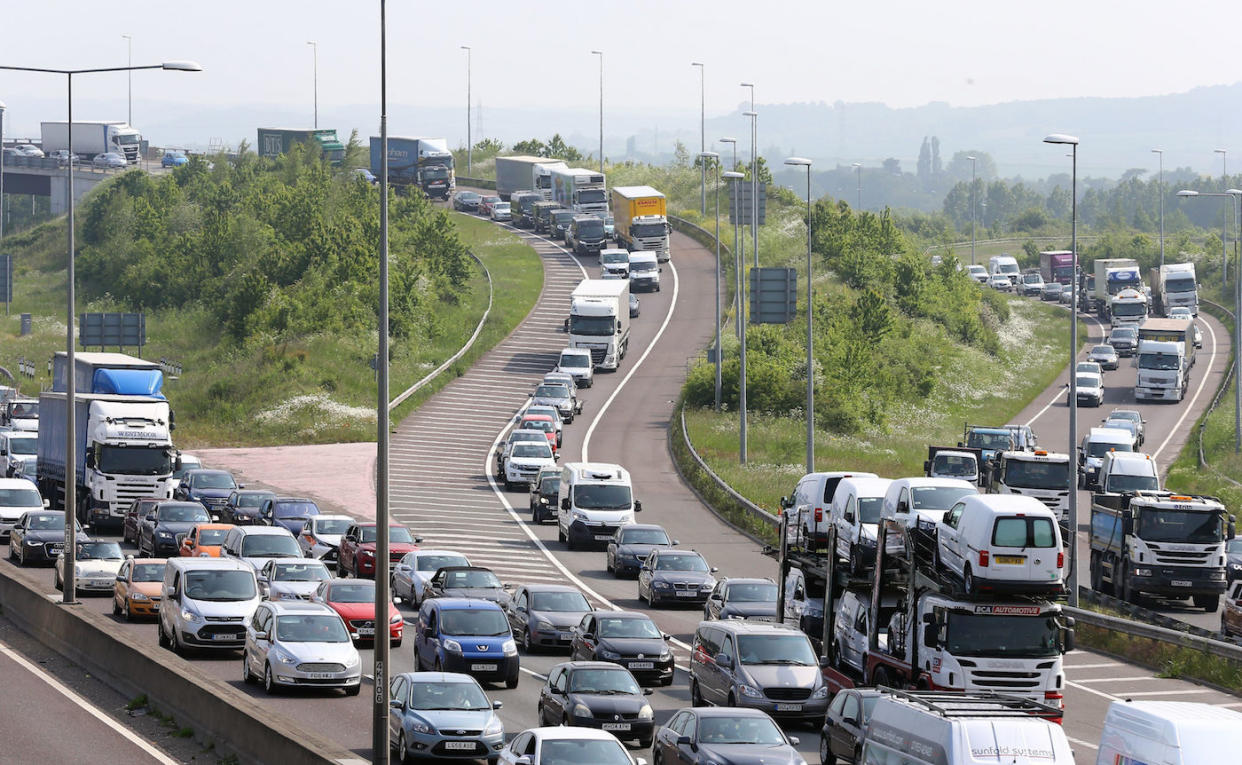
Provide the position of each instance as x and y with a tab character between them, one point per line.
641	215
525	173
1174	286
581	190
1057	266
422	162
272	142
114	373
599	320
92	138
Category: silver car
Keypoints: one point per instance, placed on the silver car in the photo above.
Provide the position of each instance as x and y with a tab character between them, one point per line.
300	645
411	574
292	579
321	536
445	714
558	396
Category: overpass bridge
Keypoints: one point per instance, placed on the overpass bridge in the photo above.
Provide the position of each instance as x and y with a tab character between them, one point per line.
47	178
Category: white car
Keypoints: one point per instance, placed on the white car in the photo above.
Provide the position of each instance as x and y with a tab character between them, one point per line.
978	273
16	448
1090	388
524	460
577	362
411	574
295	579
321	536
95	568
1180	312
17	496
562	744
1000	283
300	645
1002	543
614	263
501	211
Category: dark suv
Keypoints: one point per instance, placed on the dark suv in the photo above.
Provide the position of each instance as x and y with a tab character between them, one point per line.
543	491
586	235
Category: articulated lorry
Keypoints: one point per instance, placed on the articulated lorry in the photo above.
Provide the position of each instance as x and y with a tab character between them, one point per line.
91	138
114	373
1163	544
272	142
583	191
1112	275
425	163
524	173
1057	266
641	215
123	451
1174	286
599	320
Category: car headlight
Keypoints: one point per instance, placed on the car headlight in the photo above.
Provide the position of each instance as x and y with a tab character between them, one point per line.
645	713
164	534
31	542
452	646
578	515
666	655
190	616
581	710
418	726
707	585
396	619
366	554
751	691
660	584
543	625
509	648
285	658
494	727
822	693
609	655
138	596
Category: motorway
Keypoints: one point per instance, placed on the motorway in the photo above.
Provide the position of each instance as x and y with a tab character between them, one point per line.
442	488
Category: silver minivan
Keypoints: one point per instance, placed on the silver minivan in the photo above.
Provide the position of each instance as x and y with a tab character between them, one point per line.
207	603
755	664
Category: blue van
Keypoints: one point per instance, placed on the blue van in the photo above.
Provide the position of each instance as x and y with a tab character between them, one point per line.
468	636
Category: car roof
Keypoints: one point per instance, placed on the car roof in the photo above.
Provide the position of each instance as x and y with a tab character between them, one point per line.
1110	434
207	470
564	732
254	491
747	580
551	588
643	526
15	483
1007	503
728	712
438	677
228	564
464	568
178	503
622	614
739	626
332	517
263	530
463	604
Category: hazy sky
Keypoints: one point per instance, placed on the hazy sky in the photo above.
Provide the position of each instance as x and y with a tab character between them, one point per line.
537	54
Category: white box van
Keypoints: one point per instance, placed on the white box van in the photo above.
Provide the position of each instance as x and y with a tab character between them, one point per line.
596	498
954	728
856	507
207	603
1169	733
850	629
810	506
1003	543
1004	265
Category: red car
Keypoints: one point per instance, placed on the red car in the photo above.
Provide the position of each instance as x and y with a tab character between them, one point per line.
356	555
540	422
355	602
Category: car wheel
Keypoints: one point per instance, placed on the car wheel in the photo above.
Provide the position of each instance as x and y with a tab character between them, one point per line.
174	643
57	583
560	532
403	752
608	564
116	608
825	757
524	643
857	755
129	611
512	682
353	690
396	643
696	696
269	685
247	675
880	677
163	639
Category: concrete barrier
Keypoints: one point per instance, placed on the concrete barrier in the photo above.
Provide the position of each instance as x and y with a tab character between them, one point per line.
218	713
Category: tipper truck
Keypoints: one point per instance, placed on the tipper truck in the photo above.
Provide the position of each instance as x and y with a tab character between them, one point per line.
123	451
641	215
272	142
599	320
581	190
422	162
524	173
1166	352
1174	286
115	373
1164	544
1057	266
91	138
1112	275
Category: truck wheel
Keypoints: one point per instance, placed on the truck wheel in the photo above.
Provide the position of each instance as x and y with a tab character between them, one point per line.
1126	592
1209	603
1097	576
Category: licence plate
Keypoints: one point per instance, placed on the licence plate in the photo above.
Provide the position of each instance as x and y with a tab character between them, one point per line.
788	707
460	745
366	631
686	594
1013	560
223	637
321	675
642	665
482	667
616	726
602	537
58	548
1181	583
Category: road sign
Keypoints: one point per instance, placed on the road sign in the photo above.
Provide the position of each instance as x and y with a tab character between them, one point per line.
740	206
773	295
119	329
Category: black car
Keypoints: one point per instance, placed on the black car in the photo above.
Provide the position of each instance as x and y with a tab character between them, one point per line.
675	576
1233	559
608	695
161	531
711	735
288	512
543	493
631	545
560	224
841	736
467	582
628	638
39	537
241	508
741	598
466	201
210	488
544	615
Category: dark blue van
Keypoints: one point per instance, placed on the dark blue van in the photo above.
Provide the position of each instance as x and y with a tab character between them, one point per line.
468	636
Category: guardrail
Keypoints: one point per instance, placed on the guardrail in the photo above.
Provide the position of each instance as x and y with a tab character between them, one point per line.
1007	240
491	293
478	183
750	507
1224	385
1210	646
51	163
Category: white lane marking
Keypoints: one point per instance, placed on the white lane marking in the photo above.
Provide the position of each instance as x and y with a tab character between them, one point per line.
1100	665
1230	705
1186	409
73	696
672	305
1080	742
1108	696
1059	394
1169	693
1143	678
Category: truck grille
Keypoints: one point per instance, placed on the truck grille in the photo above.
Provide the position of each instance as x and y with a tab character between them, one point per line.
1176	558
597	355
1001	680
128	491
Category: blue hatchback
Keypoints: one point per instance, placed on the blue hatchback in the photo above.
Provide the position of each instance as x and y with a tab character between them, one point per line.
468	636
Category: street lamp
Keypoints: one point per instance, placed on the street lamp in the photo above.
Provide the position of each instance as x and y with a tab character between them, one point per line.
315	68
381	667
2	110
702	135
1160	152
735	213
810	358
858	177
129	61
1072	141
703	157
735	178
754	175
469	139
972	210
1224	237
70	500
600	53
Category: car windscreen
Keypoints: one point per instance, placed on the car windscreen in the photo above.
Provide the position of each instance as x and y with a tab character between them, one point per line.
99	551
593	228
1184	284
622	258
220	585
551	391
296	509
760	731
1179	526
211	536
952	465
752	592
680	563
310	628
395	534
603	682
470	579
532	450
591	325
1021	474
558	601
332	525
300	572
47	522
22	445
148	572
937	497
354	592
1118	483
869	509
643	265
576	751
545	426
1019	531
473	621
645	230
270	546
981	440
212	481
602	497
24	410
437	562
444	697
1088	381
1100	448
776	649
643	537
187	513
627	628
20	498
575	360
252	500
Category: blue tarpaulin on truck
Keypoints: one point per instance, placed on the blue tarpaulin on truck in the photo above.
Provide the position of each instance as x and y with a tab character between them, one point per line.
129	382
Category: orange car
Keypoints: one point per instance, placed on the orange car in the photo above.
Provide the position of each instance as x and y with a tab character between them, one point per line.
204	540
137	590
540	422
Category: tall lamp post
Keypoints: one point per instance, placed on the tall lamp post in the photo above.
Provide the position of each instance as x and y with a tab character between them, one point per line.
972	211
1072	141
741	291
129	61
735	178
380	712
1160	153
71	501
600	53
2	109
754	175
315	77
702	136
703	158
858	183
1224	242
734	215
469	138
810	356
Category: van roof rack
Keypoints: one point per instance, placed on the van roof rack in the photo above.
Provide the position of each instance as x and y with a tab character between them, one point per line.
976	704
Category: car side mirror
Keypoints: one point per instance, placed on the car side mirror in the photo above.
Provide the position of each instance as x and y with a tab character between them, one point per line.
903	508
1233	529
638	506
724	661
521	609
849	517
530	395
1068	641
260	636
926	466
90	459
685	741
497	704
47	503
676	542
648	691
189	543
714	569
588	636
794	740
565	503
825	662
394	703
523	760
120	577
930	636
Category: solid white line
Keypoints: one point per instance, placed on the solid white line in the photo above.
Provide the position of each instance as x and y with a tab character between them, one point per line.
1088	689
73	696
1169	693
586	440
1143	678
1080	742
1188	407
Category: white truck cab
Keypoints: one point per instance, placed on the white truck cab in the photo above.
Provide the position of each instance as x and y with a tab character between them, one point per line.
1128	471
1041	474
596	498
1006	266
1163	370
